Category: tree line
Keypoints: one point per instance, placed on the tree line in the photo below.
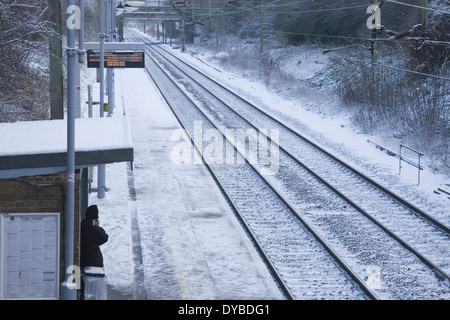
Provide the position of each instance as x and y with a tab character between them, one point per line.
32	58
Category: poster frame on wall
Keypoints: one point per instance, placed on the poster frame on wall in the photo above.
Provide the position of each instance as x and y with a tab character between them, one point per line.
51	244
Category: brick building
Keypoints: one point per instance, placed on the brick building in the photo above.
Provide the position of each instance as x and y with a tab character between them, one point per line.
33	184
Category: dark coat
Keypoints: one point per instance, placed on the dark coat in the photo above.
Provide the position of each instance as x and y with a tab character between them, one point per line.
92	237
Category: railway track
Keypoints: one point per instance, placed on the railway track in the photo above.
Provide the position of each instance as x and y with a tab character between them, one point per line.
301	199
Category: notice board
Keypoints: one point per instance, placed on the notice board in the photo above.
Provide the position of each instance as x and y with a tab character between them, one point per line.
29	255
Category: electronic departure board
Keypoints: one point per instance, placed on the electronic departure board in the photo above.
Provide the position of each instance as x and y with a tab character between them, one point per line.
117	59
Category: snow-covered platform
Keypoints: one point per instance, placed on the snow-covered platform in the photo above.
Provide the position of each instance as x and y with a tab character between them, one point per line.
176	238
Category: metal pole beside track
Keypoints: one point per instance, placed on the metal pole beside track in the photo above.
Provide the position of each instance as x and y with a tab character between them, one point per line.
68	292
101	175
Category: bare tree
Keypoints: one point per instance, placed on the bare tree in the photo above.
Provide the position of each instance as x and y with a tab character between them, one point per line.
24	31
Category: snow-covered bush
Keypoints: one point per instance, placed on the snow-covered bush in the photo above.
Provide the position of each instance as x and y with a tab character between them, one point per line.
23	50
380	98
24	56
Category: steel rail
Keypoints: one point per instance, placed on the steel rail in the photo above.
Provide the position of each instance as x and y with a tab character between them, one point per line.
279	279
438	271
361	283
376	184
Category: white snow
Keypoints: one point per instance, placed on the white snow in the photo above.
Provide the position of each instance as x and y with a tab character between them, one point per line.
192	245
314	115
41	137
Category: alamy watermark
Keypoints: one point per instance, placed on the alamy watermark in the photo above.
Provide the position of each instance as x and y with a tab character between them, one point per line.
260	148
74	280
74	17
374	21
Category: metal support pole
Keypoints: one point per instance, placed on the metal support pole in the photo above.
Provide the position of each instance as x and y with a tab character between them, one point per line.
157	30
193	14
183	35
170	31
372	51
81	50
101	174
261	18
108	70
424	13
424	18
90	102
217	31
418	171
81	59
84	193
374	35
102	56
68	291
170	24
209	12
114	39
110	11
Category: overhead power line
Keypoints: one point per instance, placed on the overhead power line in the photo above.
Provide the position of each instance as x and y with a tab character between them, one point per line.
398	68
419	7
268	8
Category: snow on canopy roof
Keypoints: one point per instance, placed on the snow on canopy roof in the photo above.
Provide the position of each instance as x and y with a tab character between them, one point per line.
34	144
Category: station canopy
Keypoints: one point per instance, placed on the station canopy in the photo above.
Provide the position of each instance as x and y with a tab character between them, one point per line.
40	147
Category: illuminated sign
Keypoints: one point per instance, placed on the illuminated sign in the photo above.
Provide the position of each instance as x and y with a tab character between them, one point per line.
117	59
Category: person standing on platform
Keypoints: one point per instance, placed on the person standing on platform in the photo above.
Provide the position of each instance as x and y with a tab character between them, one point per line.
91	258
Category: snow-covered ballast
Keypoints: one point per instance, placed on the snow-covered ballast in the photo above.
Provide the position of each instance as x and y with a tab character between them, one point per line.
40	147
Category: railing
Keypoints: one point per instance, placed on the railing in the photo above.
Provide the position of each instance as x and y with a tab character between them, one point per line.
415	164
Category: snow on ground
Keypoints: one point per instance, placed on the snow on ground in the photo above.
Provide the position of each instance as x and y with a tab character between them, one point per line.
315	115
192	246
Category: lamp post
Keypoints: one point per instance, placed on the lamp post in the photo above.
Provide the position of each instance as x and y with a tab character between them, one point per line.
68	291
101	179
110	23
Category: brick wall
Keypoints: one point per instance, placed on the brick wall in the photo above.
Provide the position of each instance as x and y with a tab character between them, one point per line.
40	194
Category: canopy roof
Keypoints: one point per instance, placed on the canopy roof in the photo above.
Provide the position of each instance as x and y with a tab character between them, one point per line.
40	147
